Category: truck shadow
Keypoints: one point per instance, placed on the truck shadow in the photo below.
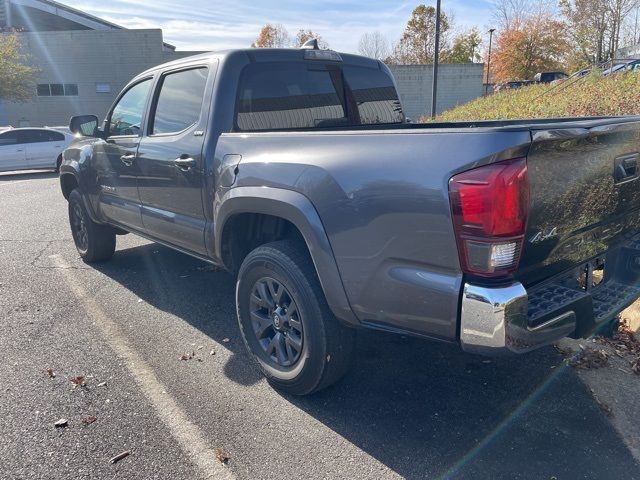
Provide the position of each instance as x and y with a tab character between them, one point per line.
421	408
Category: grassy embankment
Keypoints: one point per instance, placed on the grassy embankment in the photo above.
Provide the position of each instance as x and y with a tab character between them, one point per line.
593	95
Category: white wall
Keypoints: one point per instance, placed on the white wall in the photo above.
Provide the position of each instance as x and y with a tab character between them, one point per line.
457	84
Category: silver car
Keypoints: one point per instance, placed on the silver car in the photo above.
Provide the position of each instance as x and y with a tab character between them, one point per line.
32	148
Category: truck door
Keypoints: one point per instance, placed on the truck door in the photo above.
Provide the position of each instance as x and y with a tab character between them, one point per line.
116	166
170	159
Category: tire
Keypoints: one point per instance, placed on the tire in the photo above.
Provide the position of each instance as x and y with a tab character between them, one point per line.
58	163
326	348
95	242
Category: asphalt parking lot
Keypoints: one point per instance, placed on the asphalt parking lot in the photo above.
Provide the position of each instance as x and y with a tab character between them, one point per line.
153	334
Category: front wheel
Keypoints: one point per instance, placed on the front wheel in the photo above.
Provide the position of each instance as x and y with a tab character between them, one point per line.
94	242
285	321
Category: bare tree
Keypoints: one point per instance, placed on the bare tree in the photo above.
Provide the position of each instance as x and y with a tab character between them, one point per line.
618	14
374	45
596	27
510	13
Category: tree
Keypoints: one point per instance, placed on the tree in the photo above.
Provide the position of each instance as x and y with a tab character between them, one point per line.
508	13
534	45
465	48
272	36
595	27
417	44
304	36
374	45
17	77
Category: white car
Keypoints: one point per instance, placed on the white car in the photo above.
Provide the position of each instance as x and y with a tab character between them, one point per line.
32	148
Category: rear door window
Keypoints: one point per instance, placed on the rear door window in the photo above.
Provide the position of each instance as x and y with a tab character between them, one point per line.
180	101
290	95
31	136
53	136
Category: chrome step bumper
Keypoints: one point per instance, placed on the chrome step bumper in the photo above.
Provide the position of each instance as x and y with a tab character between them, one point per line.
494	321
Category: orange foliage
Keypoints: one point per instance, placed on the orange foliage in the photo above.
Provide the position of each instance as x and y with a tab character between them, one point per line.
537	44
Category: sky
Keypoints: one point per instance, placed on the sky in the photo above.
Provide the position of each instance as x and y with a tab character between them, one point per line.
218	25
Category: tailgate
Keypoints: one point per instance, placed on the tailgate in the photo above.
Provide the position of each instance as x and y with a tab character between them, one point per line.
585	194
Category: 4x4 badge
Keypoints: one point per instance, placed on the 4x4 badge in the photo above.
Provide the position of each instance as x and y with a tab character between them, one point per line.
544	235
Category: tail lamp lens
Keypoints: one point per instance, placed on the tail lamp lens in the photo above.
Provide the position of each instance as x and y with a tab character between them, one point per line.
490	206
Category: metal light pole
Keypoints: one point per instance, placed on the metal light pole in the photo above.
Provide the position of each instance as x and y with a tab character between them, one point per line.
436	57
486	87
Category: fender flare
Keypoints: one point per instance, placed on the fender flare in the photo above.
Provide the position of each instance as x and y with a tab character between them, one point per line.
71	169
297	209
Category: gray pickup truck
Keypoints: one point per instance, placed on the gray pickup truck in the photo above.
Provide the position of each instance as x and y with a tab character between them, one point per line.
297	171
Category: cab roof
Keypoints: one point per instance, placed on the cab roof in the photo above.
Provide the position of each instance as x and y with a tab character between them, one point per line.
260	55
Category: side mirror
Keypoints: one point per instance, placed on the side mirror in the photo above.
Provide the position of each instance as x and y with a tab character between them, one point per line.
85	125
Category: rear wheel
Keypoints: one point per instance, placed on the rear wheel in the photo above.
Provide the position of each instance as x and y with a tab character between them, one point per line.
285	321
93	241
58	163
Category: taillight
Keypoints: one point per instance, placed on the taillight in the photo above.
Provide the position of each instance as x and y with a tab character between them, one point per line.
490	206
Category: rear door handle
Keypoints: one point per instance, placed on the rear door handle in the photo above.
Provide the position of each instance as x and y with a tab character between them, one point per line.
184	163
128	159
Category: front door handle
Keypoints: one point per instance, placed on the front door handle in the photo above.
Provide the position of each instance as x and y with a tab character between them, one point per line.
184	163
128	159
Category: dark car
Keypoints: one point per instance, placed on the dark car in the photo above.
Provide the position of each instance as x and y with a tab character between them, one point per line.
548	77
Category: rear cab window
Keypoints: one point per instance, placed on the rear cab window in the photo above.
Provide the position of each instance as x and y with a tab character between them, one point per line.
303	95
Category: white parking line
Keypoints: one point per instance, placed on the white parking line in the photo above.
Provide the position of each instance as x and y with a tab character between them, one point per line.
188	435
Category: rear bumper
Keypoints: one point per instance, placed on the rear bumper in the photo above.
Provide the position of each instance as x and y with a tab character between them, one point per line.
494	321
512	319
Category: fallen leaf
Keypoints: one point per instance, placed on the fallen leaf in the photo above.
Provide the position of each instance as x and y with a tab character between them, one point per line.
222	455
605	408
61	423
79	380
89	420
187	356
590	358
120	456
51	373
212	352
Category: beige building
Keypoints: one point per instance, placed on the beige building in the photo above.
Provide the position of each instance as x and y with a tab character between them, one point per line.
83	61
